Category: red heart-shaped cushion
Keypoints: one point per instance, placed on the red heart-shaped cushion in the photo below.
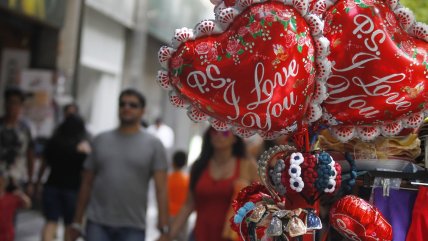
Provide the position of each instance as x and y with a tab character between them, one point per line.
256	75
356	219
379	70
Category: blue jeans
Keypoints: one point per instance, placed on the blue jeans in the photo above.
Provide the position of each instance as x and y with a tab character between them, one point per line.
59	202
99	232
192	236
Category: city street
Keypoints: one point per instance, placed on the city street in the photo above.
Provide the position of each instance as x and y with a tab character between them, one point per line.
30	222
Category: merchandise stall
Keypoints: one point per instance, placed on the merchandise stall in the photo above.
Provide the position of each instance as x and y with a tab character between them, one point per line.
345	79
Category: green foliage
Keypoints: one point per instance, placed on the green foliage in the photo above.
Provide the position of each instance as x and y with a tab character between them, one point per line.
419	7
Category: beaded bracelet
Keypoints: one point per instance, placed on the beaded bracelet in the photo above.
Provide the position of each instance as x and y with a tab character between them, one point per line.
243	211
296	181
325	181
332	179
265	158
276	176
353	171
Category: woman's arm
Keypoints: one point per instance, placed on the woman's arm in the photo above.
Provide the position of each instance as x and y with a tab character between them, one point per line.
25	200
253	170
160	178
182	216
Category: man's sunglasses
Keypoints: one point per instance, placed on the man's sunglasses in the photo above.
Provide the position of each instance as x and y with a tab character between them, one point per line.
132	105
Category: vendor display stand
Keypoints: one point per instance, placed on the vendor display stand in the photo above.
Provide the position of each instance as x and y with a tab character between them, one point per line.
296	67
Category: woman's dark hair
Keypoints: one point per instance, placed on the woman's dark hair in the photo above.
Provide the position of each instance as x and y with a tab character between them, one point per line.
207	151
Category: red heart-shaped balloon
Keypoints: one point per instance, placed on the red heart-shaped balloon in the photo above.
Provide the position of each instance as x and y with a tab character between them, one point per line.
356	219
255	76
379	68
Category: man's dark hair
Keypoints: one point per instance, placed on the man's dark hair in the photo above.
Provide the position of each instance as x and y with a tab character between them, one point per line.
13	91
179	159
158	121
135	93
67	106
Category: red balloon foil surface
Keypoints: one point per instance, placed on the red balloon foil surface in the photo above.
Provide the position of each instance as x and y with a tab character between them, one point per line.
358	220
258	74
379	71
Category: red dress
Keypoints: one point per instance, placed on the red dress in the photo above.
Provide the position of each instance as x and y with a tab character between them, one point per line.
212	201
9	203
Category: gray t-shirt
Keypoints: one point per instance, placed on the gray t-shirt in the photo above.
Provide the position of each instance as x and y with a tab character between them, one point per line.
123	165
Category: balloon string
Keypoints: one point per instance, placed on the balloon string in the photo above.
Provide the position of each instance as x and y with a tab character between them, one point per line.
301	138
307	140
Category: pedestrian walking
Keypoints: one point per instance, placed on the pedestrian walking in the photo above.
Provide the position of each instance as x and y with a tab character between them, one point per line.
64	154
178	185
216	177
114	189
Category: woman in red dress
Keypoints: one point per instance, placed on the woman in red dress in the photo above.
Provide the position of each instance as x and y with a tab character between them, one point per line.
220	171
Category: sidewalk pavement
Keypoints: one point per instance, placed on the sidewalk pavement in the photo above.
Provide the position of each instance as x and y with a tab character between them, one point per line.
29	223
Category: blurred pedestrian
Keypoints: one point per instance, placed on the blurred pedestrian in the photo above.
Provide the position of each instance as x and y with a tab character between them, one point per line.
116	179
221	170
64	154
70	109
9	204
144	124
16	143
178	185
163	132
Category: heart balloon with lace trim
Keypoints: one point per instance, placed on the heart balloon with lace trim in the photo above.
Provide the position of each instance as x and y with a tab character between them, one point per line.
379	67
253	69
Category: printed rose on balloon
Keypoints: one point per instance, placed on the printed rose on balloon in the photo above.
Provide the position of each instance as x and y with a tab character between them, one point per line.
379	68
252	70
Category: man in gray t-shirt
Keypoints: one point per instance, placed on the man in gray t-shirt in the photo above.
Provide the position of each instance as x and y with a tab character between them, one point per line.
115	181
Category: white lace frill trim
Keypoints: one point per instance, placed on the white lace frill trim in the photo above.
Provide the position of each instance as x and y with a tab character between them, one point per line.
419	30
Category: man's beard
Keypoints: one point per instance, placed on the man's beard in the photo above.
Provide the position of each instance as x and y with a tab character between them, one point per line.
127	122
